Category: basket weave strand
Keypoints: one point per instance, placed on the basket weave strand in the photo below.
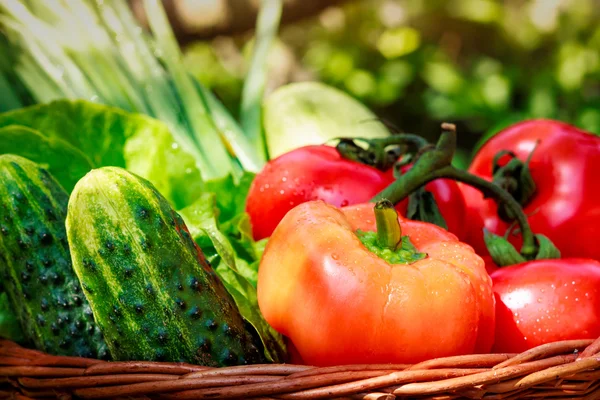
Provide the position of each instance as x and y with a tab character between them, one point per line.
558	371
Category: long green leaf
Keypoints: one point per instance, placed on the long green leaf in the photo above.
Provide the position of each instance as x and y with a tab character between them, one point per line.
218	163
232	133
254	85
151	77
95	50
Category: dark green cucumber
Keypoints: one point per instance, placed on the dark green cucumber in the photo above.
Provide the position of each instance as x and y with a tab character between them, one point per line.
35	264
9	325
151	289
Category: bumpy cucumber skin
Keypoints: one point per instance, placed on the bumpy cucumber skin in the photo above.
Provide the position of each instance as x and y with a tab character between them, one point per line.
35	263
151	289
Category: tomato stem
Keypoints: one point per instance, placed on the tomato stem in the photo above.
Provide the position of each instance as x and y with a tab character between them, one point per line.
502	197
389	232
437	163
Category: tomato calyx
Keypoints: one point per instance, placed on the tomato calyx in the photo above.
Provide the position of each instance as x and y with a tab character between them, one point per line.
381	153
514	176
397	152
436	163
423	207
388	242
503	253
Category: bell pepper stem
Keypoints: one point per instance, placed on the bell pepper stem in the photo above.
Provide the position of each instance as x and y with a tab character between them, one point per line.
436	163
389	232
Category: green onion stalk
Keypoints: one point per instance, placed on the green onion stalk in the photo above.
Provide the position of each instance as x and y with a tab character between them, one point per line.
95	50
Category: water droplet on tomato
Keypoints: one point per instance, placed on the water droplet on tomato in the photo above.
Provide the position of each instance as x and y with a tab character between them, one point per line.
576	298
284	179
539	300
282	191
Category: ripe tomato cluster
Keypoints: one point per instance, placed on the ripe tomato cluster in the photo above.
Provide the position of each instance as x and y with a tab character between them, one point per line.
314	265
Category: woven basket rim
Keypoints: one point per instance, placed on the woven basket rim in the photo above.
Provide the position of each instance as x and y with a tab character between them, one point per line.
560	370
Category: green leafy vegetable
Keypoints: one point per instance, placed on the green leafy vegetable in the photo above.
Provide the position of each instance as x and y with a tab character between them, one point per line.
254	85
64	161
236	263
97	136
232	196
96	50
231	132
215	160
308	113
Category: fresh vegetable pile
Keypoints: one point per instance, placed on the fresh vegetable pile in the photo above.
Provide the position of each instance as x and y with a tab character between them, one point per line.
361	287
120	240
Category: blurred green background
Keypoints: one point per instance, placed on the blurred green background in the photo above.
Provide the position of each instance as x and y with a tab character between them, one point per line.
481	64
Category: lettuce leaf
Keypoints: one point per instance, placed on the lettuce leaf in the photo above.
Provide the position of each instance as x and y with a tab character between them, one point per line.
235	258
306	113
72	137
65	162
232	195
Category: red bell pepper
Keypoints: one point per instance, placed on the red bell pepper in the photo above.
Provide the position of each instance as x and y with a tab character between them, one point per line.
343	294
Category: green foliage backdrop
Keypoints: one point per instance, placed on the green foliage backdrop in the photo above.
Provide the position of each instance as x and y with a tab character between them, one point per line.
482	64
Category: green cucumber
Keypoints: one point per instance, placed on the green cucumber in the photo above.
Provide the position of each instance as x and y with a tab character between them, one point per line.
150	287
35	263
9	325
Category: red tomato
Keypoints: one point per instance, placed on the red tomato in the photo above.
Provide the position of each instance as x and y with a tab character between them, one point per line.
320	173
545	301
564	166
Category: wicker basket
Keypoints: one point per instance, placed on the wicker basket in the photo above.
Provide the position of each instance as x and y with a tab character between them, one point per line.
557	371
